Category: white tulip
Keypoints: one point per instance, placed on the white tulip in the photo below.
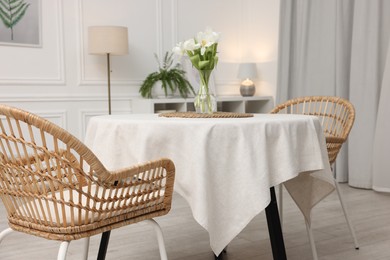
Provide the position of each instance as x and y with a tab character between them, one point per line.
206	39
190	45
179	49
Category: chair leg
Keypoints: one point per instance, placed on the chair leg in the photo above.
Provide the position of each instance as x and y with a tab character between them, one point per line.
160	238
63	249
5	233
346	215
280	203
311	239
86	248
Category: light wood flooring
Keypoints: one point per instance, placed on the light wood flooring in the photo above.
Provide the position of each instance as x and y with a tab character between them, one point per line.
185	239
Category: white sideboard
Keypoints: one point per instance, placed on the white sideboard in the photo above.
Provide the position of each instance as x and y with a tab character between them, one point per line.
238	104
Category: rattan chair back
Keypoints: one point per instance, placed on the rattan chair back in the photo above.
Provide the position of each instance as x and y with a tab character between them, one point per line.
54	187
336	114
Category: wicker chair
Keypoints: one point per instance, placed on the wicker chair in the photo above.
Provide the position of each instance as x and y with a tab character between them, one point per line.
337	116
54	187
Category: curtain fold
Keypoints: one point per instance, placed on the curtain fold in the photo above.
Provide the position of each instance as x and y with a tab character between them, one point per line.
381	155
338	48
365	88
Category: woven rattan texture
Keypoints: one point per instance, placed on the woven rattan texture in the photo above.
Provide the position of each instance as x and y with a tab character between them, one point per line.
201	115
54	187
336	115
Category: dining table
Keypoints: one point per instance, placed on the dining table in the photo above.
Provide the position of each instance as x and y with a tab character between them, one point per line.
226	167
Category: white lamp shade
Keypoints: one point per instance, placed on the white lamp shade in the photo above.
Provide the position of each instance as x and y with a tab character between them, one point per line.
108	39
247	71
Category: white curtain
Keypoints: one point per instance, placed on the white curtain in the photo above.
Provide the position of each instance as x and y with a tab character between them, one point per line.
381	153
339	47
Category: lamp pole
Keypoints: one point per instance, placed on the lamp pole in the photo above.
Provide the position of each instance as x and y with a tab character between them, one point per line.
108	40
109	83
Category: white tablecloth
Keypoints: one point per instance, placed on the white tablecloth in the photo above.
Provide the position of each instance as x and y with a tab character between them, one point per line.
224	167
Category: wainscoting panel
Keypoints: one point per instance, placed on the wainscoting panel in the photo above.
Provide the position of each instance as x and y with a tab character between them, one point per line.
37	65
71	114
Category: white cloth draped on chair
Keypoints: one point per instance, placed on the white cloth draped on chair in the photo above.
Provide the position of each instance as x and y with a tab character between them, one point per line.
340	48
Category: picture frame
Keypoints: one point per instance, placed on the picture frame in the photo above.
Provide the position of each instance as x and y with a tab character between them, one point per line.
23	28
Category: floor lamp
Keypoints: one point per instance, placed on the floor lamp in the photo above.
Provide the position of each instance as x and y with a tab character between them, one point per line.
108	40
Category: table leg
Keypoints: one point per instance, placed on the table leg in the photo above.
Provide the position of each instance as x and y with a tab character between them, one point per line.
220	256
275	229
104	241
103	245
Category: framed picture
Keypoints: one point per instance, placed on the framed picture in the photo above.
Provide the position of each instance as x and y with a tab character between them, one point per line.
20	23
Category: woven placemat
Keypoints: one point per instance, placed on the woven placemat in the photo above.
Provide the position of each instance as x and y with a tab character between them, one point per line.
200	115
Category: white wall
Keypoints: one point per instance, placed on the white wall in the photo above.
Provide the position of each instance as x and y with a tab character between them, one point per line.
65	84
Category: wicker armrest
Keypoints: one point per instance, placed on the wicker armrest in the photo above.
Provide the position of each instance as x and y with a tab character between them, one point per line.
333	139
135	171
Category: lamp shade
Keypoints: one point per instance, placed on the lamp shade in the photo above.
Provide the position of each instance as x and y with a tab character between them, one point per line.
247	71
108	39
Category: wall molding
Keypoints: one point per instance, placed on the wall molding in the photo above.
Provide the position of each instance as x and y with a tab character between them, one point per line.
63	98
159	28
83	80
174	22
57	114
103	82
54	114
60	79
86	114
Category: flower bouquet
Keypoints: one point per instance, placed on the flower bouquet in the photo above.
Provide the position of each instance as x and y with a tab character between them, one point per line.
202	52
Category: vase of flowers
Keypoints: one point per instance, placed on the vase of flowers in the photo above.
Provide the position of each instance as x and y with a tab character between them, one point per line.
202	51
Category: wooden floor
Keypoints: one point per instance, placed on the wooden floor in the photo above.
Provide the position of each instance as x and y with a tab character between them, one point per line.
185	239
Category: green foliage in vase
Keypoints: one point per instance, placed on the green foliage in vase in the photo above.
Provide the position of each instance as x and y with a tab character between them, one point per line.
172	77
11	12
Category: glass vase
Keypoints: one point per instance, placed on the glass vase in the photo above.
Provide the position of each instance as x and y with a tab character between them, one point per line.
205	101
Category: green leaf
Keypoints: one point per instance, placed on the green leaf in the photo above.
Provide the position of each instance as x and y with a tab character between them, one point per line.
195	60
3	5
5	18
15	4
12	11
172	77
19	13
204	64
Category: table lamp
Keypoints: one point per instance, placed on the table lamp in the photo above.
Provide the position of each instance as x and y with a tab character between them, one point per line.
108	40
247	72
